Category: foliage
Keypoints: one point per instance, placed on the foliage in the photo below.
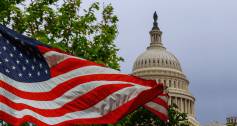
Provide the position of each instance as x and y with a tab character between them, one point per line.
143	117
2	123
85	32
66	25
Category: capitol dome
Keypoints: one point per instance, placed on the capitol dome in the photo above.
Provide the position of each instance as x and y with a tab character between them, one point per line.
156	63
157	57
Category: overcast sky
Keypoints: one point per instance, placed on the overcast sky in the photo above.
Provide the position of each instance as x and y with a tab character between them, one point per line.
203	36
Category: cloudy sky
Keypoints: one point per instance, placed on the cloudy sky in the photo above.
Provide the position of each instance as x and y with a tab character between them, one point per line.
203	36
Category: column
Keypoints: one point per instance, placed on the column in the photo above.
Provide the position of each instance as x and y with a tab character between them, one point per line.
176	101
188	106
181	107
184	101
188	103
191	106
169	102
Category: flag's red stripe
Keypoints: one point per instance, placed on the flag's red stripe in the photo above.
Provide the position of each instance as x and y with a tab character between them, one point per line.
162	116
81	103
110	118
44	50
161	102
65	86
70	64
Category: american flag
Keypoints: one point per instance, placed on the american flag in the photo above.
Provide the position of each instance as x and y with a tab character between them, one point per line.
46	86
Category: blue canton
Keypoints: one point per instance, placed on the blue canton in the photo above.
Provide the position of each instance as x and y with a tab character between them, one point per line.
20	60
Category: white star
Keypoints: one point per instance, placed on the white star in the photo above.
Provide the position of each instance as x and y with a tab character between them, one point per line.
0	52
46	71
20	74
13	67
4	48
8	42
32	67
0	62
29	74
17	61
23	68
11	55
21	54
38	73
6	60
7	71
27	61
14	48
40	65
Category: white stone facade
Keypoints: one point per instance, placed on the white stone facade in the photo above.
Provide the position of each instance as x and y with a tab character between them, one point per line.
156	63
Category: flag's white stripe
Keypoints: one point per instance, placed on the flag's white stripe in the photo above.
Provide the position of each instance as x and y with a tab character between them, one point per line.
65	98
53	58
48	85
105	106
54	53
157	107
164	98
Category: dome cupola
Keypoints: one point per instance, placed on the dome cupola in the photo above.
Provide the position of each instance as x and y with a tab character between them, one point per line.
156	54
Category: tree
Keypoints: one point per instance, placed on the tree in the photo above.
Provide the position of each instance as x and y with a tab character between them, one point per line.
85	32
66	25
143	117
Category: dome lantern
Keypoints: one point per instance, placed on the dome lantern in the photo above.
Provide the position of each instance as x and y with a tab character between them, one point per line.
155	34
156	54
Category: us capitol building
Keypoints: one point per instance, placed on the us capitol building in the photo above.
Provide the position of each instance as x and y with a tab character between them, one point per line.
156	63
